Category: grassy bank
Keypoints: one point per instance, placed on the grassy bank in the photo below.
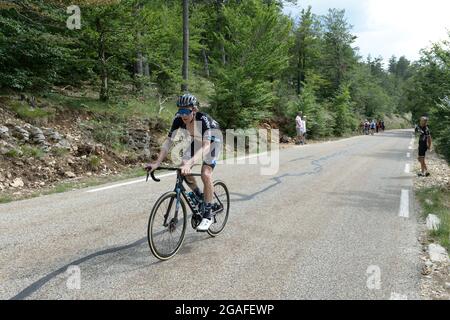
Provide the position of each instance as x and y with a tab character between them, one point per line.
437	201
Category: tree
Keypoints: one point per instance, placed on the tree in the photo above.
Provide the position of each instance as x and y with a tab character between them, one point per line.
339	56
344	123
184	86
306	48
34	48
317	123
257	54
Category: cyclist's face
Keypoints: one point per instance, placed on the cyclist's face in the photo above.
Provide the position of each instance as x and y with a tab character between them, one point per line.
187	118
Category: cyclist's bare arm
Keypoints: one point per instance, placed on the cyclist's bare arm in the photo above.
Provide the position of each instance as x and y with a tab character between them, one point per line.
162	154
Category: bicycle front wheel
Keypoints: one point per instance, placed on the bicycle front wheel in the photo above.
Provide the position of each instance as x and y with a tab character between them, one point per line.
167	226
221	208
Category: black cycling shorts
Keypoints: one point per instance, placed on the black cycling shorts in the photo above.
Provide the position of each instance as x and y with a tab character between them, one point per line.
422	150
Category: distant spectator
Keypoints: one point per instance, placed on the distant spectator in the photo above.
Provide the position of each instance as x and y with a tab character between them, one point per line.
304	131
366	127
424	145
372	127
299	127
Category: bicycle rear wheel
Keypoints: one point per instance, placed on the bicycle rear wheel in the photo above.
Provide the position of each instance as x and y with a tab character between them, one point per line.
166	230
221	208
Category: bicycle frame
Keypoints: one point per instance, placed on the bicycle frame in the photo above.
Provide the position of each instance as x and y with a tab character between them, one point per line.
181	191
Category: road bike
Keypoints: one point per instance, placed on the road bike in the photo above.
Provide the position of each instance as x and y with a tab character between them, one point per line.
168	219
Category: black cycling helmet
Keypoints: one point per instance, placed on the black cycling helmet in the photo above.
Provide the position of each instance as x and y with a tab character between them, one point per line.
187	100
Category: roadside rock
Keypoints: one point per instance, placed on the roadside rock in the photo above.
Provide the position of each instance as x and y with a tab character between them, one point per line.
285	139
36	135
437	253
138	139
52	135
17	183
63	144
21	134
433	222
4	132
69	174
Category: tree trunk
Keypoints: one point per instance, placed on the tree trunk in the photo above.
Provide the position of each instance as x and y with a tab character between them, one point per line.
139	64
185	73
104	89
146	67
205	62
220	18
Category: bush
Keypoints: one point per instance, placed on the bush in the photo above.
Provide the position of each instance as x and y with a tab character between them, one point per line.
14	153
34	152
27	113
94	163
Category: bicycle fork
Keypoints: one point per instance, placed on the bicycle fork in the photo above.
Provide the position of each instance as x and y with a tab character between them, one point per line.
174	221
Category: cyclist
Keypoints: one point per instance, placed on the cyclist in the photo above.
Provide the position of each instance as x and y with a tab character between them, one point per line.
201	128
424	145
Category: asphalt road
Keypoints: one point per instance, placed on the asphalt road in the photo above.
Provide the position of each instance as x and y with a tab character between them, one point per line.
328	225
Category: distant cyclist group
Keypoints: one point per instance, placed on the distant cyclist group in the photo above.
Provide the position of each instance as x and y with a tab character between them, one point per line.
371	127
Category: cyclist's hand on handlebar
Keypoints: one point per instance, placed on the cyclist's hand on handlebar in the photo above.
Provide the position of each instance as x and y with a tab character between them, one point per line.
185	169
150	167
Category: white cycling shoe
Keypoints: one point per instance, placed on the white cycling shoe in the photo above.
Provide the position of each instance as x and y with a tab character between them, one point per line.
205	225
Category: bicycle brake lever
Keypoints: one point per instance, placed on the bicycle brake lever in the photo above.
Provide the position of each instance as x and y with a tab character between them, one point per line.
154	178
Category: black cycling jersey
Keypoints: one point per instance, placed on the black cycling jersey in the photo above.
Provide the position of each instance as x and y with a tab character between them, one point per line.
208	124
424	135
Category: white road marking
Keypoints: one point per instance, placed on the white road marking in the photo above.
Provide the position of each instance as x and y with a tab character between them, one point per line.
410	148
167	175
408	155
407	168
404	204
127	183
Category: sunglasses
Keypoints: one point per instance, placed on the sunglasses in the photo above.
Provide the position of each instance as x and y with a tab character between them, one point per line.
184	112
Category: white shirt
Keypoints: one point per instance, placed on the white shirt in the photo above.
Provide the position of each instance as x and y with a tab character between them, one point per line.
299	122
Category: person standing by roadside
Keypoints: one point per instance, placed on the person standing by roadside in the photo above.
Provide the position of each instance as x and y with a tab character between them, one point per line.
299	127
424	145
304	130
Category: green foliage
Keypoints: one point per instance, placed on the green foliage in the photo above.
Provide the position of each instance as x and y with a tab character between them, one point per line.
94	163
107	133
31	151
257	53
27	113
14	153
248	61
34	48
440	124
344	122
317	124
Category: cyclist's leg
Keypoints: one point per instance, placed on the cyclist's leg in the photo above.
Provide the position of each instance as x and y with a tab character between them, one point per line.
191	181
207	179
209	164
